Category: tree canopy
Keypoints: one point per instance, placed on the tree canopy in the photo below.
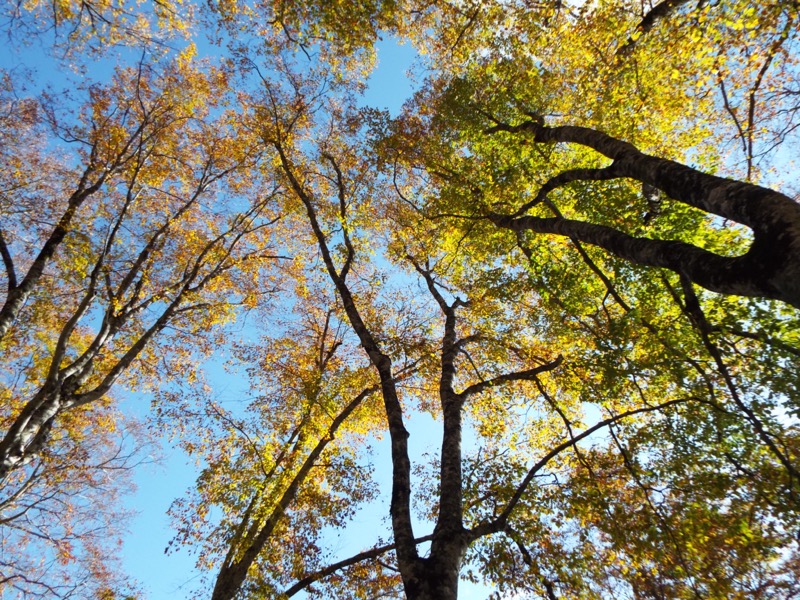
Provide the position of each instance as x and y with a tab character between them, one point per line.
575	250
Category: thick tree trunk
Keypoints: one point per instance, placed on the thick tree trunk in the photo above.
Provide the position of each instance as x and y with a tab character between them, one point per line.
436	578
769	269
28	434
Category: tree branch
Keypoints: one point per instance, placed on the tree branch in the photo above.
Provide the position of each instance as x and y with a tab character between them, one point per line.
8	263
566	177
401	464
696	315
357	558
499	522
232	575
658	13
726	275
526	375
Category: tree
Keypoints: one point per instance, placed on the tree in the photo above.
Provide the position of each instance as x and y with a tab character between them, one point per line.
540	252
286	466
462	169
104	258
480	346
183	250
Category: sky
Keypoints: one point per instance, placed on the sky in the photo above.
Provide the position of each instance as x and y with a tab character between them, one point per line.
169	472
173	575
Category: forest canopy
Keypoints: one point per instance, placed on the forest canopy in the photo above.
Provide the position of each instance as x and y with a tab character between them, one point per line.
560	287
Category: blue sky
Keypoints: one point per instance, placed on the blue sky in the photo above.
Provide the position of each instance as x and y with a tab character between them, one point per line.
173	575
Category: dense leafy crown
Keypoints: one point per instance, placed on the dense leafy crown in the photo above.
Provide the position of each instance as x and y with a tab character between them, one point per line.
573	254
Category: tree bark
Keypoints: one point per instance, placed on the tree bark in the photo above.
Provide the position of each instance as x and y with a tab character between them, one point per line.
769	269
436	577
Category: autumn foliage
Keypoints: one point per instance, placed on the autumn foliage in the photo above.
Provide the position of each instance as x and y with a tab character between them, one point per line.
574	253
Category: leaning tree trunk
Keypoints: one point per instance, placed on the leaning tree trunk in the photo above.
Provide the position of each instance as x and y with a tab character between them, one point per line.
769	269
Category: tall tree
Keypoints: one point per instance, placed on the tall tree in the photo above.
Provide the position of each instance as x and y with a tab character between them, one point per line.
471	176
285	467
107	253
599	290
183	250
339	191
533	137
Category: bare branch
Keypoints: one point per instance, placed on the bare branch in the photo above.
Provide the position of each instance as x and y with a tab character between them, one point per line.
526	375
338	566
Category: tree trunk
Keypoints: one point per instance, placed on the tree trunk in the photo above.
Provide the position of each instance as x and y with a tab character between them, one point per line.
439	582
28	433
769	269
